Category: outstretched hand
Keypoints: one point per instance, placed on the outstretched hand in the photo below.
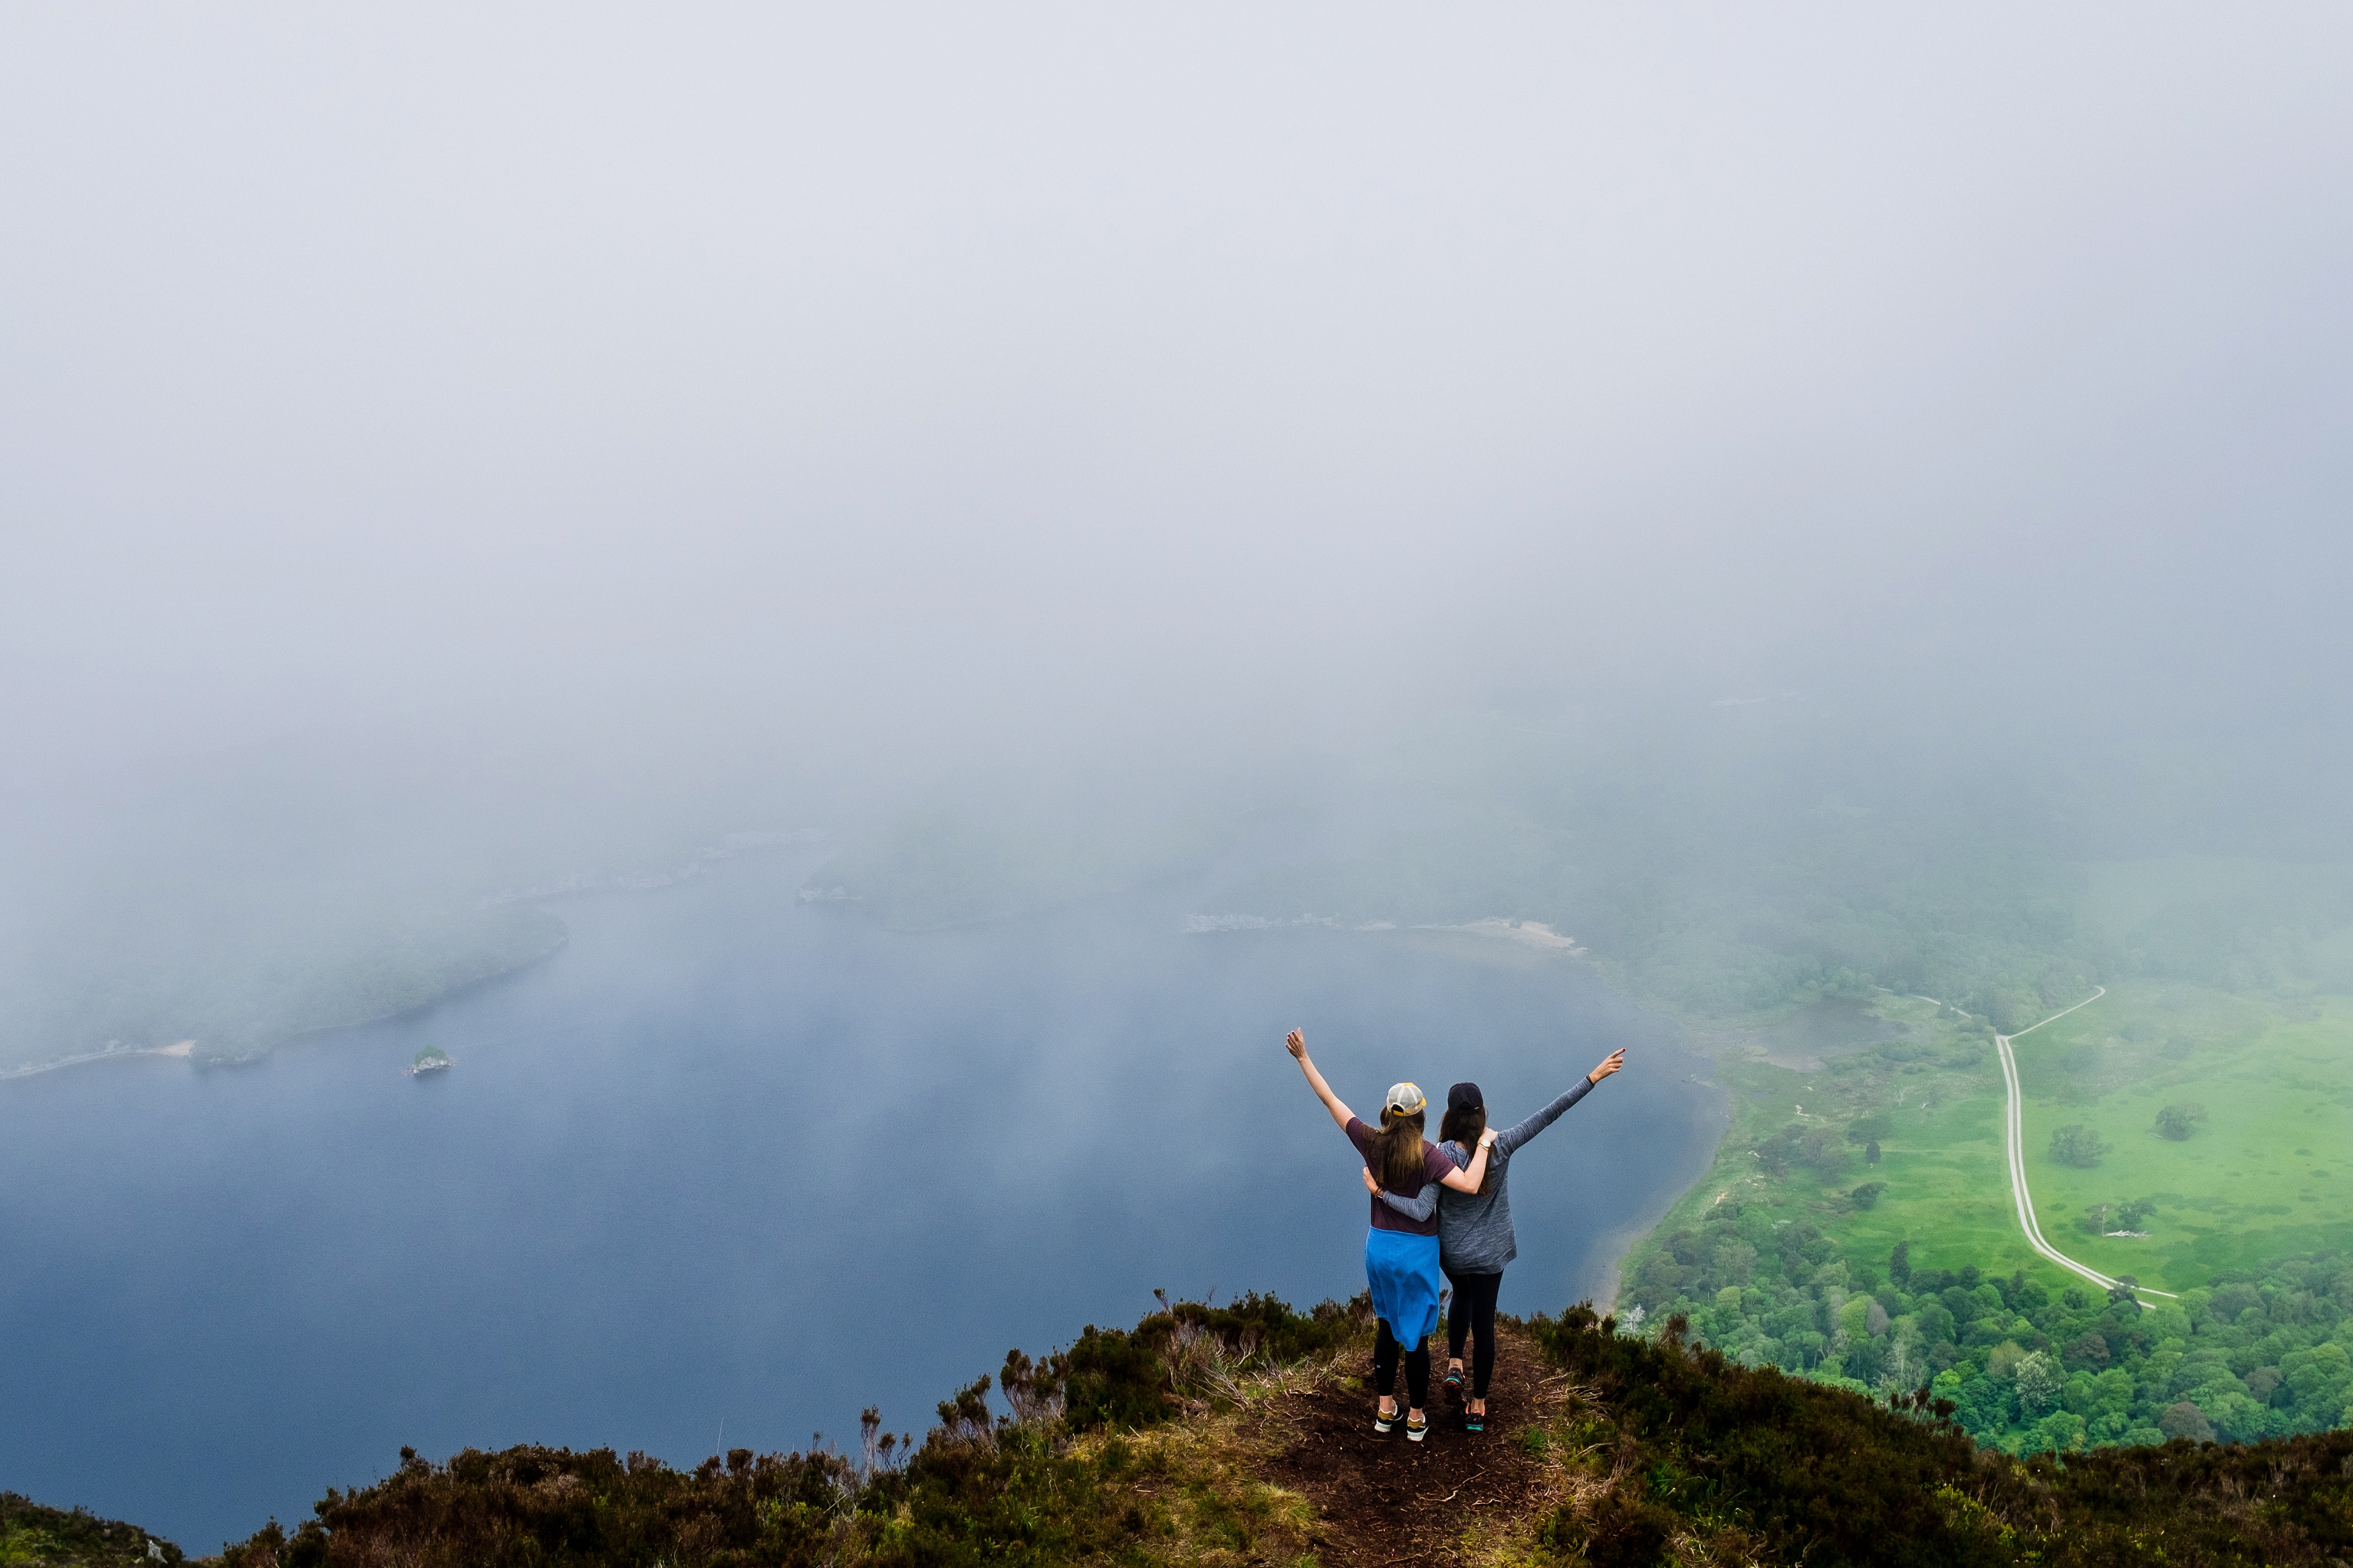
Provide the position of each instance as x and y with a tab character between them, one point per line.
1616	1059
1296	1044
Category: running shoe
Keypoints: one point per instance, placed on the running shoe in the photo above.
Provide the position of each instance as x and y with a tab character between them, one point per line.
1384	1423
1473	1421
1415	1431
1454	1381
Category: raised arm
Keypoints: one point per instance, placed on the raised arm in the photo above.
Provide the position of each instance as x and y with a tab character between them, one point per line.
1296	1044
1511	1138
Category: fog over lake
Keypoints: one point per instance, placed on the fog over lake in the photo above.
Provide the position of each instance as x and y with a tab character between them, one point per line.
730	1157
1784	497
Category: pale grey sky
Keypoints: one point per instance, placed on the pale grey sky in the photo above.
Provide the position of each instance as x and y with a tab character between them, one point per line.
870	382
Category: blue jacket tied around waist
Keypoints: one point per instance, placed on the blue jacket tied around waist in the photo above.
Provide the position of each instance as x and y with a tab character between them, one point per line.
1402	1270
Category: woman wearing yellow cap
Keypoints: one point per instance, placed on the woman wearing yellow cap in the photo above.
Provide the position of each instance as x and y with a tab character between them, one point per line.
1400	1251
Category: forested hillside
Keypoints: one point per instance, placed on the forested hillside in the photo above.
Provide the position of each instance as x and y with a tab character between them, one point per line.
1857	1225
2262	1355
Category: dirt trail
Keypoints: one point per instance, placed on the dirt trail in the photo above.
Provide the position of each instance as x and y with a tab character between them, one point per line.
2013	1132
1385	1500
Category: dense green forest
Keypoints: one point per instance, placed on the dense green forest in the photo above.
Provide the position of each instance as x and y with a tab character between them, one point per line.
1857	1227
2259	1354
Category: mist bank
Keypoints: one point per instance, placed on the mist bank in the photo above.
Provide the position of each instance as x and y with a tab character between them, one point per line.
1719	857
223	984
1713	854
238	900
1766	495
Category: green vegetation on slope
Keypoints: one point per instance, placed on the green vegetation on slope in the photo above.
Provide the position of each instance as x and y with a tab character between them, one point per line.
1059	1478
2265	1092
1157	1446
2230	924
1928	1092
1801	1251
37	1537
1716	1462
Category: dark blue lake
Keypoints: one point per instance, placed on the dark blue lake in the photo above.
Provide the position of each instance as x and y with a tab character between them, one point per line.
733	1160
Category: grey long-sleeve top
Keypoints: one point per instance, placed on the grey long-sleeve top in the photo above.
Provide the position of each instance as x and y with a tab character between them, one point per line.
1475	1229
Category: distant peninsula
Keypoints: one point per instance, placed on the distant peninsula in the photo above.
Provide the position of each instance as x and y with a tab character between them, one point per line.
236	999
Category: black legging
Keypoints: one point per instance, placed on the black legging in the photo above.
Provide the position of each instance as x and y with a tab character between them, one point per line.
1473	1311
1417	1367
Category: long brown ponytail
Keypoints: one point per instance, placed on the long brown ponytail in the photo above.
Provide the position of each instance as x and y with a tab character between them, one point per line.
1398	1146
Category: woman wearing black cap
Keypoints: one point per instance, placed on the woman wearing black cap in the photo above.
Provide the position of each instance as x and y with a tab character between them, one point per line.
1475	1227
1400	1253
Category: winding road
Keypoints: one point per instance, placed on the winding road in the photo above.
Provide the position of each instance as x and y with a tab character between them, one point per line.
2014	1138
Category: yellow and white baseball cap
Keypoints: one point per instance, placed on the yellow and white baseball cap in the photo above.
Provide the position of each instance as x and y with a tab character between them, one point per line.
1405	1098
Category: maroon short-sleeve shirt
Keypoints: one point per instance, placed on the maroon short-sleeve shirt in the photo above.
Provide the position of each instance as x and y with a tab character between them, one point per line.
1435	1166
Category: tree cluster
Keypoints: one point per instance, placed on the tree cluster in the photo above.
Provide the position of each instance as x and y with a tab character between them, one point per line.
1713	1461
2253	1356
2076	1145
76	1537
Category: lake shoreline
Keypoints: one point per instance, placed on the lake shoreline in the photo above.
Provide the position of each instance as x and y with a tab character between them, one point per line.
181	1050
185	1050
1499	941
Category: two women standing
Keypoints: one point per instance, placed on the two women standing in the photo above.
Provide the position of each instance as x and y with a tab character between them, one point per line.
1401	1252
1437	1207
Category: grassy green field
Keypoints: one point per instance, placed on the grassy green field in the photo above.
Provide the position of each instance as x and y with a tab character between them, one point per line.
1857	1224
2268	1171
1933	1075
1947	1193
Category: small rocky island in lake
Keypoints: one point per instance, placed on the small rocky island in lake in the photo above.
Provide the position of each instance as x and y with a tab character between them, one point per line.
432	1058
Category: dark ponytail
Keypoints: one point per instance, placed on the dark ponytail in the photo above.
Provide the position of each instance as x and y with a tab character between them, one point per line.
1464	1127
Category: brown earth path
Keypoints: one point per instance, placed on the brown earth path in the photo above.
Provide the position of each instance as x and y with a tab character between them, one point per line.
1385	1500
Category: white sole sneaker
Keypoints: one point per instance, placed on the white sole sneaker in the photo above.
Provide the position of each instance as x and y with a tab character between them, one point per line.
1414	1434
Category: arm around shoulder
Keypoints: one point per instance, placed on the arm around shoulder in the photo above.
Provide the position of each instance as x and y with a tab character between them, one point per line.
1414	1208
1468	1178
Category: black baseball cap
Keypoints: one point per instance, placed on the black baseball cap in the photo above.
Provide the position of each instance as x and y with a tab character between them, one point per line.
1465	1097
